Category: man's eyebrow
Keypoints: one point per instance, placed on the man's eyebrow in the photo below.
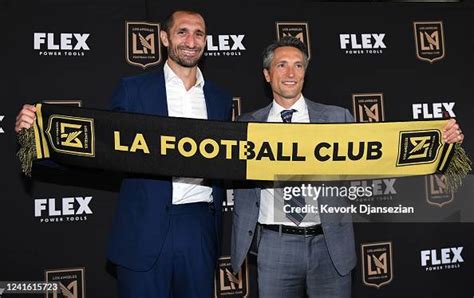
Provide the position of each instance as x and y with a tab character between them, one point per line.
185	28
200	31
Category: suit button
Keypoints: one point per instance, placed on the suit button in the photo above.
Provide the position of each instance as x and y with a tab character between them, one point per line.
256	203
167	208
250	233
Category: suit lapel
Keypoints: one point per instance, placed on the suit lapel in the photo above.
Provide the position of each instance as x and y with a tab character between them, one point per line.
210	102
154	95
262	114
316	115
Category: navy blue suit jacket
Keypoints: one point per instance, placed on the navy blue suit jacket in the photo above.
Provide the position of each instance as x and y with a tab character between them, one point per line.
142	221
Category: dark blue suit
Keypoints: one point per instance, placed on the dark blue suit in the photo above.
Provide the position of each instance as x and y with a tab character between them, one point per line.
142	220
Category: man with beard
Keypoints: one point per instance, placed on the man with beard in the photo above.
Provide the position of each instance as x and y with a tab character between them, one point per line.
165	232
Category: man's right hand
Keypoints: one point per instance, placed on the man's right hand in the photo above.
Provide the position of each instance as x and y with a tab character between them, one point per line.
25	118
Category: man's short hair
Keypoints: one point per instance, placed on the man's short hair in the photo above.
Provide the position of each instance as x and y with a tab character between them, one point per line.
169	20
287	41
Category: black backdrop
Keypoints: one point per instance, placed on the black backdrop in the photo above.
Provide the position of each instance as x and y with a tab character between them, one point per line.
34	246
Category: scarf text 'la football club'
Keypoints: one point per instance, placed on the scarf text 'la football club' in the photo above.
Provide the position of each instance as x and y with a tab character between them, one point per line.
166	146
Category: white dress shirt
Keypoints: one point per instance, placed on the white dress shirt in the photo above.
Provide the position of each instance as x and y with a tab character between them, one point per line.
268	213
188	104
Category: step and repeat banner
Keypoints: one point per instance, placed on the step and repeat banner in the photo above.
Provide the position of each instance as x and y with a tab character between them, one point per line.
383	62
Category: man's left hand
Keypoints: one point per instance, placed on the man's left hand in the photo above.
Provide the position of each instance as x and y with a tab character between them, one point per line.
452	133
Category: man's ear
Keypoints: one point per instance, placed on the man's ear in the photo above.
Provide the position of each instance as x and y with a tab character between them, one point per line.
266	73
164	38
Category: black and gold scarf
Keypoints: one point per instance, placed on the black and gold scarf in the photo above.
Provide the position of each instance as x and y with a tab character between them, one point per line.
144	144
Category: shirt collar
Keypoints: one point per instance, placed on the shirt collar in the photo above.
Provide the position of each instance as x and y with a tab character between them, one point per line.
170	76
299	106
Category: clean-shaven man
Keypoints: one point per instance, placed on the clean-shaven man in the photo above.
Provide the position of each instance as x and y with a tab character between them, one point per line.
313	257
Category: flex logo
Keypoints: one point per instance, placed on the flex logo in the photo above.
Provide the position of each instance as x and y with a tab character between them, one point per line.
225	42
142	46
70	209
62	44
225	45
67	206
429	39
440	259
418	147
65	41
380	187
437	110
362	41
71	135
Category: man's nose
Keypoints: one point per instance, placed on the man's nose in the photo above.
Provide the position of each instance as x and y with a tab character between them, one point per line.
190	41
290	71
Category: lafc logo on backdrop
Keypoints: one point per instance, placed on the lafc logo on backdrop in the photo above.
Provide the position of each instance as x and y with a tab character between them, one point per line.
62	44
295	29
368	107
71	282
377	267
142	45
442	259
437	110
429	40
418	147
365	43
227	284
71	135
225	45
437	191
68	209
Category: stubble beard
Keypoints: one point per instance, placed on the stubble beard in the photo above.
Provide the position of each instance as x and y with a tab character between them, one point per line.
185	61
